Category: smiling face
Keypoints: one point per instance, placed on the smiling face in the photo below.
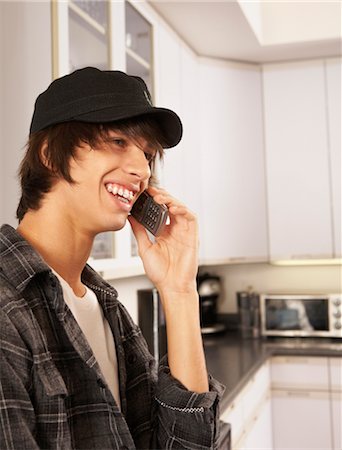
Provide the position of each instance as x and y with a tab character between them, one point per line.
108	178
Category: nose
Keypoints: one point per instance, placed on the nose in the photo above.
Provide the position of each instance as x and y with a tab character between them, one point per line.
136	163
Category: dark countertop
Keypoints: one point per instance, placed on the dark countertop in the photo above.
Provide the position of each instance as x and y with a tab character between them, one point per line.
233	360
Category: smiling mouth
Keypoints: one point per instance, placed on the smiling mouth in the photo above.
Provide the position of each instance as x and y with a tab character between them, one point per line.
120	192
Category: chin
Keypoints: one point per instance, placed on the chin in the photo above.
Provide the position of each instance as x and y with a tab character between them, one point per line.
116	226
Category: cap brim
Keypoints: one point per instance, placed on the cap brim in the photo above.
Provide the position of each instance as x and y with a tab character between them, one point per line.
168	121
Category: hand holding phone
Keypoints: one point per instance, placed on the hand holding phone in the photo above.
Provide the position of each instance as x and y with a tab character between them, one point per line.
149	213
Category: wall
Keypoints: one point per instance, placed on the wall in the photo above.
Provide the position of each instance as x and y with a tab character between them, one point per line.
25	71
265	278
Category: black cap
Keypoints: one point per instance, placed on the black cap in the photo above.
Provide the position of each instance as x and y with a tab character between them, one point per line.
100	96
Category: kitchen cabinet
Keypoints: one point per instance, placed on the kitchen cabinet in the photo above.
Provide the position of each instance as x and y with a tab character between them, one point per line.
232	183
107	35
168	95
250	413
333	86
301	420
297	158
301	404
259	433
177	87
335	372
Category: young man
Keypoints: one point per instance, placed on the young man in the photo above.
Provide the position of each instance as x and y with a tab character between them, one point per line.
75	369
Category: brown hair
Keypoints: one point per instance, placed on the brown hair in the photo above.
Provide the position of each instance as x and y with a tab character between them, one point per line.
37	176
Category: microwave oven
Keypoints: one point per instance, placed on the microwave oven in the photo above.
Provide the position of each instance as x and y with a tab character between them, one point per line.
301	315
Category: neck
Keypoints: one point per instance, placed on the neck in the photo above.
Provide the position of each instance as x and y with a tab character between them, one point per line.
63	246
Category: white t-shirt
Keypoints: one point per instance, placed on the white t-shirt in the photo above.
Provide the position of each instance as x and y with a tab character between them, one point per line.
89	315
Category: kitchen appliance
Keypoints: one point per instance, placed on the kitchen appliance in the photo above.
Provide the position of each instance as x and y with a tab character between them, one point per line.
301	315
151	321
249	314
209	290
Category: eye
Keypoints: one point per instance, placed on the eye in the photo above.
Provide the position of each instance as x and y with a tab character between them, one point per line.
118	141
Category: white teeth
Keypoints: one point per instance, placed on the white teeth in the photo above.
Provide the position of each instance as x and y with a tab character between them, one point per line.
118	190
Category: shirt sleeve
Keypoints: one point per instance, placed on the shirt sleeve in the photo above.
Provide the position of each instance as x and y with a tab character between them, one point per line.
185	419
17	423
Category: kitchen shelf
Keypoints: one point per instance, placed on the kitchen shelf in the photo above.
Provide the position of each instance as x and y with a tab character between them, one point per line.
138	58
87	18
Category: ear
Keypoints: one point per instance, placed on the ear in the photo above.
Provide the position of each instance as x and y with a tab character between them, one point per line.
44	155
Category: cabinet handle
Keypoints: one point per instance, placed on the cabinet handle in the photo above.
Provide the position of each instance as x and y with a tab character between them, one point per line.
298	394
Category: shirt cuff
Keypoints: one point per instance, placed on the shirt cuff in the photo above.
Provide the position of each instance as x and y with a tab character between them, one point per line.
171	393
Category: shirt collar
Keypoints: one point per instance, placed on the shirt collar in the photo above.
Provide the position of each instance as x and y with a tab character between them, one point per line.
19	262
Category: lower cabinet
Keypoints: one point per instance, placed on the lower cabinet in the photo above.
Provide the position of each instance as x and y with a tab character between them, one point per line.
301	420
258	433
306	402
336	411
250	414
291	403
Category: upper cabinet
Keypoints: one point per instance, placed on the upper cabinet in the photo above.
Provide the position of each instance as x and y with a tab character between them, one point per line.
232	182
333	87
301	107
259	162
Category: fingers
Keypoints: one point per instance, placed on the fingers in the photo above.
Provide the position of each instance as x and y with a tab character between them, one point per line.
175	207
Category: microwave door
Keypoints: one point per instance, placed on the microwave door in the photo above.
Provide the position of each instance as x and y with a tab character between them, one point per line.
295	316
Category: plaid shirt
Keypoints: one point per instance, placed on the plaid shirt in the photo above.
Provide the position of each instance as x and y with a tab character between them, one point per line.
53	394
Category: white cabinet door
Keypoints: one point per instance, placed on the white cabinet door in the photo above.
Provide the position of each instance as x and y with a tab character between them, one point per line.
168	95
232	181
300	372
301	420
250	413
259	435
336	409
234	416
335	370
333	74
297	161
190	144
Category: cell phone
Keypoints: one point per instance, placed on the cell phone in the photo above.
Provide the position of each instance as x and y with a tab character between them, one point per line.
149	213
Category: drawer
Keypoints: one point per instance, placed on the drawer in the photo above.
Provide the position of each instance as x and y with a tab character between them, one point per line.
297	372
335	368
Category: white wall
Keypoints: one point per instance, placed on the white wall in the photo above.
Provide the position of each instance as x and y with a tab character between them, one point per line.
265	278
26	70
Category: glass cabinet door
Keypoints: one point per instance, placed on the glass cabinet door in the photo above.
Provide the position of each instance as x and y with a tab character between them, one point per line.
138	59
138	45
107	34
88	34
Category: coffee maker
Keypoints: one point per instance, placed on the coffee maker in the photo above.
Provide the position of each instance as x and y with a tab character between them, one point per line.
209	290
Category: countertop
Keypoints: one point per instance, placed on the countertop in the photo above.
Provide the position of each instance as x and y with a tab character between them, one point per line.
233	360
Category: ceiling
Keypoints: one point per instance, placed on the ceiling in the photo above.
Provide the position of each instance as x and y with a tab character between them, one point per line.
223	29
